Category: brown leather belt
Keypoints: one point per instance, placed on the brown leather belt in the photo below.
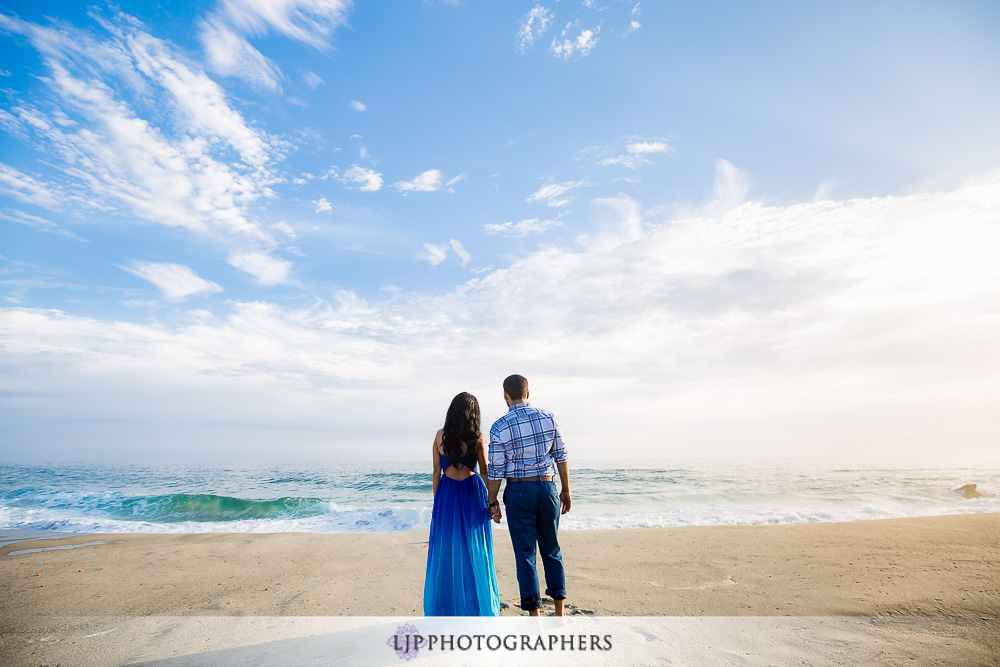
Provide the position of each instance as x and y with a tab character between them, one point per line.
544	478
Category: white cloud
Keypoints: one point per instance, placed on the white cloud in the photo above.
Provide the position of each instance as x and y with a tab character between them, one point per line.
533	24
224	34
231	54
619	220
285	229
455	181
322	205
176	281
180	172
313	80
648	147
28	189
463	254
266	269
358	106
763	329
566	48
637	153
434	254
369	179
201	100
555	194
428	181
29	220
521	228
730	187
311	22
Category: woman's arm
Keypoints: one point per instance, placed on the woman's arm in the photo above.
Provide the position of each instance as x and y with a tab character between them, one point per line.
437	464
482	458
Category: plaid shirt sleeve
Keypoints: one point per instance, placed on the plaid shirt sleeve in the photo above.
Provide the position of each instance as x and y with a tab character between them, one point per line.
558	448
498	453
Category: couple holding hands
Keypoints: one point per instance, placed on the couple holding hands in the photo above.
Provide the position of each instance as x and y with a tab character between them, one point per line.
526	449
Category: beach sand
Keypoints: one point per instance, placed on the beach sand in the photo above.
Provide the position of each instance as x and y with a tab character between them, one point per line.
943	571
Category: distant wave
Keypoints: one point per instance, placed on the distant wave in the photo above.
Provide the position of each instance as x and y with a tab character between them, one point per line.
337	498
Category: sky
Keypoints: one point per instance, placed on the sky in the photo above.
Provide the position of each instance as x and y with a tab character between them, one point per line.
295	229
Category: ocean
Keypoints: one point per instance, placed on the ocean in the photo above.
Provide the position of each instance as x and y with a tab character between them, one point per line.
390	497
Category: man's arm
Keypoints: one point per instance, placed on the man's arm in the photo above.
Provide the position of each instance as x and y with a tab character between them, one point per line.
562	465
497	466
564	498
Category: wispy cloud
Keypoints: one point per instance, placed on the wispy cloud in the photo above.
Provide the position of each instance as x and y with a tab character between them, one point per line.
428	181
322	205
176	281
454	181
225	33
460	251
311	22
178	172
266	269
521	227
313	80
28	189
434	254
637	152
556	194
533	24
729	188
29	220
358	106
230	54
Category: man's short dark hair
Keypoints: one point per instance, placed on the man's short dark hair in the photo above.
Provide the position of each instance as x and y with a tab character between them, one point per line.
516	387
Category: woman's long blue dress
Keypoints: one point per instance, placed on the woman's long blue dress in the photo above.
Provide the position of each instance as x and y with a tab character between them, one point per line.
461	579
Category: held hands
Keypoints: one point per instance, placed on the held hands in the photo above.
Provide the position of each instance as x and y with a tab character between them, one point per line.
565	500
495	512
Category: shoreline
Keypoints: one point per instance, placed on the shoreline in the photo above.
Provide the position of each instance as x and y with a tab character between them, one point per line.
939	567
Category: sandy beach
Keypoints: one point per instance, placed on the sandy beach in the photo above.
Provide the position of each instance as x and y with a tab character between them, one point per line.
940	569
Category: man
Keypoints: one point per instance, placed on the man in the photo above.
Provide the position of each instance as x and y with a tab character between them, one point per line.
525	445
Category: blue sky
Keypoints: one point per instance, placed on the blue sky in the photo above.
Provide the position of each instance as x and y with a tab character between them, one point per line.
296	228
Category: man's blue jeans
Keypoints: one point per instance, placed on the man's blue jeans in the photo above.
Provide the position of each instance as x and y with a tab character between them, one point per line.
533	517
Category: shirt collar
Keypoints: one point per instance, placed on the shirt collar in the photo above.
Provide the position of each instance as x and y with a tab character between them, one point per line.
525	404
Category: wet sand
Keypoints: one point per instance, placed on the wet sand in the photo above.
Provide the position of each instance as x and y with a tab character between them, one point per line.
945	570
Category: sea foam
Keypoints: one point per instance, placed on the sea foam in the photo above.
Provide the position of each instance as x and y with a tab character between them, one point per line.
329	497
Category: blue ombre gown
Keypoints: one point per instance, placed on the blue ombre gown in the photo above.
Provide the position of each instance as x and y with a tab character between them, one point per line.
461	579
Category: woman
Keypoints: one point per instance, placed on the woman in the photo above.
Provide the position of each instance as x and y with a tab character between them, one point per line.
461	580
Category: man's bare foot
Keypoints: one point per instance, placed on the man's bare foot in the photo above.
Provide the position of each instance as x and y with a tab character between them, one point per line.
559	607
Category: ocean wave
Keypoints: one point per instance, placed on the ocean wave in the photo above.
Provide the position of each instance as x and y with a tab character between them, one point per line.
355	497
167	508
760	516
190	513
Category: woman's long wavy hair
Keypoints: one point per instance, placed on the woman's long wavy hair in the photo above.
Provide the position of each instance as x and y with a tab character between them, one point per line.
461	425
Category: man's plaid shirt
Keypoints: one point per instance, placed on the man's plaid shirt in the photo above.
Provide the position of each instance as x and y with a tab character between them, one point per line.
524	443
